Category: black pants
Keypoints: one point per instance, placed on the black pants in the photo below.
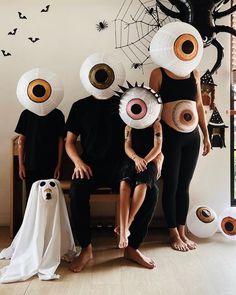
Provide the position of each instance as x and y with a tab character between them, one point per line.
80	207
181	153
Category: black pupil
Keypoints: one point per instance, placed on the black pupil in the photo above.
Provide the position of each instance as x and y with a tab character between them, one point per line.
136	109
39	91
101	76
52	184
206	213
229	226
42	183
187	117
187	47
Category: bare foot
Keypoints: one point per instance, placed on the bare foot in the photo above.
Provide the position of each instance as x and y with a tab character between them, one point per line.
117	230
177	244
190	244
136	256
80	261
123	243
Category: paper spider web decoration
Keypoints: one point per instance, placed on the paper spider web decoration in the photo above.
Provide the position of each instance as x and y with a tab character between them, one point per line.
135	25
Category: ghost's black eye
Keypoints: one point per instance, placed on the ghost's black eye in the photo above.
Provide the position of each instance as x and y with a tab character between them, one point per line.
42	183
52	183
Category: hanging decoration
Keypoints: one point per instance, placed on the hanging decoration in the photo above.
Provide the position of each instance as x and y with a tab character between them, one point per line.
216	128
135	25
202	14
208	90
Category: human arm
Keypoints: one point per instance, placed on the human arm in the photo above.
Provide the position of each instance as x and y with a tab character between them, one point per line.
155	79
140	163
156	150
201	115
21	156
81	169
57	172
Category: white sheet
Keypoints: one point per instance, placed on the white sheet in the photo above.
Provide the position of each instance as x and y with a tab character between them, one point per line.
44	237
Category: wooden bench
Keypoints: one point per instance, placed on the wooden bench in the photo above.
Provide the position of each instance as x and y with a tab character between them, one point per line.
101	195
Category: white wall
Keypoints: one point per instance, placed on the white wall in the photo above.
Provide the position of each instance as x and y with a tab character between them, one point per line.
67	36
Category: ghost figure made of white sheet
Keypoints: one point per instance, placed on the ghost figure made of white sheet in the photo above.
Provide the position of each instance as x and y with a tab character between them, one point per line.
43	238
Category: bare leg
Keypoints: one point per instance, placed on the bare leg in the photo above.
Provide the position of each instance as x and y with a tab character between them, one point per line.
136	256
176	242
80	261
182	233
125	191
137	201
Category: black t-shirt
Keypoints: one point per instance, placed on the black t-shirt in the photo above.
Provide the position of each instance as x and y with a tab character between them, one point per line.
142	140
41	138
100	128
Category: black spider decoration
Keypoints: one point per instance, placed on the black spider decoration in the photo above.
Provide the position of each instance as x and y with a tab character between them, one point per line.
136	66
202	14
102	25
151	11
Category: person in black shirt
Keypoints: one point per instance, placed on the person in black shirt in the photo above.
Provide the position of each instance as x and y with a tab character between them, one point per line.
40	145
101	132
138	173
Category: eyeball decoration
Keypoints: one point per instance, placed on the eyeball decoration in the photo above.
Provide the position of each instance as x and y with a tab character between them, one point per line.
202	221
227	223
139	106
177	47
185	116
101	74
40	91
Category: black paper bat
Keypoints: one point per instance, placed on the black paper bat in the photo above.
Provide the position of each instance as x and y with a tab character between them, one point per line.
45	9
5	54
13	32
33	39
21	16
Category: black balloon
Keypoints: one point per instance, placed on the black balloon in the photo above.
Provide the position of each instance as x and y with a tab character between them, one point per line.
202	14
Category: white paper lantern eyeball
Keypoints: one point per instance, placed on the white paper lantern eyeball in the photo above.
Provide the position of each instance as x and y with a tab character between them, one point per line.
139	107
40	91
177	47
101	74
227	223
202	221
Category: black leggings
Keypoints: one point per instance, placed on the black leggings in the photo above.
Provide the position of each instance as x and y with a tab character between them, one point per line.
181	153
80	208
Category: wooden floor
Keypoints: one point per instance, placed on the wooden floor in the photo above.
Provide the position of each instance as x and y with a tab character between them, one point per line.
209	270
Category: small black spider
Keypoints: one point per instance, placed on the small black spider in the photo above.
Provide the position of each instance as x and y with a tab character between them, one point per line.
136	66
102	25
151	11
